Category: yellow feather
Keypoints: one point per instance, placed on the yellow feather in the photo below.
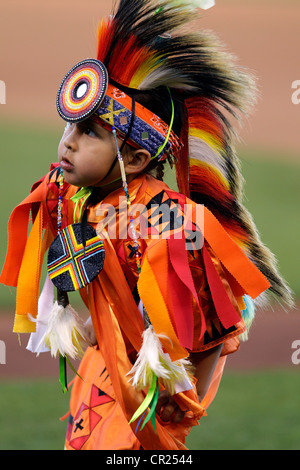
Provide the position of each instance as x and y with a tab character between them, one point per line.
208	138
195	162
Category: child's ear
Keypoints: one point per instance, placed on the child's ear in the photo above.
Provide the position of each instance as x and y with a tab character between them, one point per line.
137	161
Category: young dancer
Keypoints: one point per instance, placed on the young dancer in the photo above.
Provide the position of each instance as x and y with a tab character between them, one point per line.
170	278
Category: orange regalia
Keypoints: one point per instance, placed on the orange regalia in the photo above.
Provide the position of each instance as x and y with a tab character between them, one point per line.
181	270
193	296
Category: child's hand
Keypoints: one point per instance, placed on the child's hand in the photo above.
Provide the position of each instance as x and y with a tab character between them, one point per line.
167	408
90	332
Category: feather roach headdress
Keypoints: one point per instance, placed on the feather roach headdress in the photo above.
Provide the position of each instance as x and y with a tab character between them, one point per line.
145	49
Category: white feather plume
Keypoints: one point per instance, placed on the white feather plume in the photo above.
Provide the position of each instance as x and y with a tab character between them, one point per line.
193	4
200	150
64	334
165	76
153	360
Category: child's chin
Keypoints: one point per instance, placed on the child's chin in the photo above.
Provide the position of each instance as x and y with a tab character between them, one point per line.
71	179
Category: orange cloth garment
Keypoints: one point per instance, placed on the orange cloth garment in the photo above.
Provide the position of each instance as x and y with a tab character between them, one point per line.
113	356
24	258
96	420
23	262
103	403
113	319
113	310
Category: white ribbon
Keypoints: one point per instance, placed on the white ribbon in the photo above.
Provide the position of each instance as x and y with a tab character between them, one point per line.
45	305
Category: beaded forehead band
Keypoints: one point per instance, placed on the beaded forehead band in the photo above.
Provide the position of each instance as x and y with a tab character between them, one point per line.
85	92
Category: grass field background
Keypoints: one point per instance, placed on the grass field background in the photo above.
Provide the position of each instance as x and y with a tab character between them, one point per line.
254	410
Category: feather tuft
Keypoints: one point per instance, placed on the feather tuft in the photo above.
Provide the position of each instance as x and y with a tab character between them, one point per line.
152	360
64	334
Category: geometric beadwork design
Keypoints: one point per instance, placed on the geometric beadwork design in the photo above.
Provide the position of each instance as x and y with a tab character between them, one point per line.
72	266
144	134
82	90
166	217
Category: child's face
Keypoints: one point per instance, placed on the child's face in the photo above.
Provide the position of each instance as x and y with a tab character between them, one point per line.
86	152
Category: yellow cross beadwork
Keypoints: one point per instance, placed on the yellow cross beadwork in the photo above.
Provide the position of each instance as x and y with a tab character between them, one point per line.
109	117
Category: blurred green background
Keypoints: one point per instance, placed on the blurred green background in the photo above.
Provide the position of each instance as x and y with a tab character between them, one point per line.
254	409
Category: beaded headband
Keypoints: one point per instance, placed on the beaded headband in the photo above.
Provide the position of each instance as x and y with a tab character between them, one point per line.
85	92
148	131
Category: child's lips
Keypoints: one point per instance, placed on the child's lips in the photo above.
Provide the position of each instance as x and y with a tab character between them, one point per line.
65	164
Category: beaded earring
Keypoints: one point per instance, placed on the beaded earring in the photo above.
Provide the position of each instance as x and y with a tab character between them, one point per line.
125	186
60	199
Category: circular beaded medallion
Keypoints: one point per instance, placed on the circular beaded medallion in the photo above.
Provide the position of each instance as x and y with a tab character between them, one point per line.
82	90
71	265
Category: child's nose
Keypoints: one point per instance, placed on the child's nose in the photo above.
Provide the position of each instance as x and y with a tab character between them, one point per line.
71	138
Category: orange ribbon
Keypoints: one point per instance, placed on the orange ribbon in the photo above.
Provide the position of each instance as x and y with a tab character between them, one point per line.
233	258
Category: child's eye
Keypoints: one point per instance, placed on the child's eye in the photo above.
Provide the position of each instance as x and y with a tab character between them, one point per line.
90	132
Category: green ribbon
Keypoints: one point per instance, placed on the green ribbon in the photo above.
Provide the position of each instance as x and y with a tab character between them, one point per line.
150	400
73	368
63	360
161	148
63	373
83	193
151	414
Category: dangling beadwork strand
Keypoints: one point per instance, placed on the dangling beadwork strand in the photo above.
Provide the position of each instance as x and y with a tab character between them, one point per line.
62	297
60	201
125	186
